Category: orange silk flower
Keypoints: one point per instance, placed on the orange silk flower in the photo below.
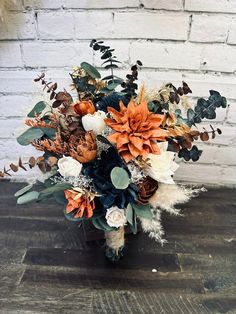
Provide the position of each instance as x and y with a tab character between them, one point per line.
137	130
84	107
80	203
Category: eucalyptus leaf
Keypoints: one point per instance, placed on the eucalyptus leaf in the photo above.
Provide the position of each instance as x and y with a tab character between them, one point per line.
120	178
190	114
60	197
52	189
29	135
100	223
23	190
38	108
129	214
143	211
28	197
91	70
50	132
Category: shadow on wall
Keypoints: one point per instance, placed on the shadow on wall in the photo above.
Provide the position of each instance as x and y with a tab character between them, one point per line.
11	22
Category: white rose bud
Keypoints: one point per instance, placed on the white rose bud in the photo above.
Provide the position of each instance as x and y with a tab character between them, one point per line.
115	217
94	122
69	167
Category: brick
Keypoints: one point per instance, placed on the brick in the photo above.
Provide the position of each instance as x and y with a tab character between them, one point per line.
208	28
213	154
56	54
231	117
15	105
173	5
10	55
12	5
10	151
227	138
22	82
219	58
224	6
202	83
198	173
151	25
167	55
101	4
42	4
18	26
56	25
11	128
228	176
232	33
89	25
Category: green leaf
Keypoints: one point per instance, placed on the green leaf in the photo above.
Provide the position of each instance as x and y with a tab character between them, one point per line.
129	214
101	224
223	102
29	135
112	86
143	211
23	190
190	114
28	197
90	70
60	197
70	216
38	108
52	189
120	178
50	132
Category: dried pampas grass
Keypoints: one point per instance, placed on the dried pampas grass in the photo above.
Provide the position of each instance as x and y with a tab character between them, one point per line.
165	199
169	195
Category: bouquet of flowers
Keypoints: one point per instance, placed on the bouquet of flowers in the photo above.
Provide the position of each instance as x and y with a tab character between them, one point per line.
109	155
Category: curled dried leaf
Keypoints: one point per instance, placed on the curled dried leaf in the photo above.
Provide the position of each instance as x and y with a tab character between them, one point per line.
20	164
204	136
32	162
14	168
52	161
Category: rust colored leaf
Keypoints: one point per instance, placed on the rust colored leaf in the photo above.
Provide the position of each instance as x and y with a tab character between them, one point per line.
204	136
20	164
14	168
32	162
52	161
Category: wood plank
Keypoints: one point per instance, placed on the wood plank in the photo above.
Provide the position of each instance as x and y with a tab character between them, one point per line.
112	279
95	258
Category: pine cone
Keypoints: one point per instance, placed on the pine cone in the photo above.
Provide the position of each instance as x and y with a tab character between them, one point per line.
146	189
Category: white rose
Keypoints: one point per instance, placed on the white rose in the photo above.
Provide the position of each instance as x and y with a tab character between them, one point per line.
69	167
94	122
162	167
115	217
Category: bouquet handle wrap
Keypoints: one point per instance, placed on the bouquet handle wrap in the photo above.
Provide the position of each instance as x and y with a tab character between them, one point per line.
115	241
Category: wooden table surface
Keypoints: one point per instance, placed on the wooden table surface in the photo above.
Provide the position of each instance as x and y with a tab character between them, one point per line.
46	266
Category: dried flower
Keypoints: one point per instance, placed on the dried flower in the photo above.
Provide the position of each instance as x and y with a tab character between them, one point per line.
84	107
146	189
137	130
84	149
80	202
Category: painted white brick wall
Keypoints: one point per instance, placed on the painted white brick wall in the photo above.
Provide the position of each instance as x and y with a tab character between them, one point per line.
191	40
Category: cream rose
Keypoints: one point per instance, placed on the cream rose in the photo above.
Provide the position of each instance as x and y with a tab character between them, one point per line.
162	167
94	122
115	217
69	167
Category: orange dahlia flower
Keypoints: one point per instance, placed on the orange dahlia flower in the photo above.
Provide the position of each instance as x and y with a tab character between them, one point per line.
81	202
84	107
137	130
